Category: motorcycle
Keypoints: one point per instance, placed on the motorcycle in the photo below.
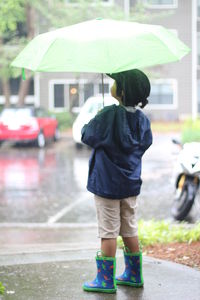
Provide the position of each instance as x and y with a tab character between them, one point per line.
187	177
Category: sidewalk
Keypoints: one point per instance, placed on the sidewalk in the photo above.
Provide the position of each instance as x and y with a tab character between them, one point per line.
59	280
56	271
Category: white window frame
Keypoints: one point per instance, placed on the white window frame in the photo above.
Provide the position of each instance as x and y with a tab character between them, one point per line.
68	81
198	17
172	106
198	37
107	3
161	6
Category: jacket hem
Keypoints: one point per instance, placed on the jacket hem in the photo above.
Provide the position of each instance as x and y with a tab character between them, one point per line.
112	196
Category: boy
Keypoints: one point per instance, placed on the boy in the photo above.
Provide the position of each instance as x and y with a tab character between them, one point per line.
119	136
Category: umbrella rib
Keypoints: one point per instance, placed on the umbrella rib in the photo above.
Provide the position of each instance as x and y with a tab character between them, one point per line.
169	46
47	50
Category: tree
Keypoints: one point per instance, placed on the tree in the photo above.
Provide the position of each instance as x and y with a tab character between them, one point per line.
21	20
11	14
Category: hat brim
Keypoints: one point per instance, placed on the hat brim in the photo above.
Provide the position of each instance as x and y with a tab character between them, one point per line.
115	76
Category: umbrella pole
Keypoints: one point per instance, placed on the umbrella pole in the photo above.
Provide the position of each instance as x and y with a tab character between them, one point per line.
102	88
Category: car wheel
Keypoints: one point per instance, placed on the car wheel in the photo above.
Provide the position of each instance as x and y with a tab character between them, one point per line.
56	136
79	146
41	140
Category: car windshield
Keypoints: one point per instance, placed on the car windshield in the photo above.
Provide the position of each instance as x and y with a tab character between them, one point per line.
93	105
16	113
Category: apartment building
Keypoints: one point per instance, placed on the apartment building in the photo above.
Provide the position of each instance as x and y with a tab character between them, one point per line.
175	92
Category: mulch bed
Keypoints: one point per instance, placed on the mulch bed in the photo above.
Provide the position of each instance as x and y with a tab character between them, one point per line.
182	253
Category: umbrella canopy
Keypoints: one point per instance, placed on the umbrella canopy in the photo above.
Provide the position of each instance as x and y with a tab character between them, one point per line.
101	46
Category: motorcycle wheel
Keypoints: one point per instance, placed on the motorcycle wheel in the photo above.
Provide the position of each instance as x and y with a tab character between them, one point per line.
184	201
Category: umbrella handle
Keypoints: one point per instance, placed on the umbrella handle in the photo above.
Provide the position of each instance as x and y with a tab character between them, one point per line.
102	88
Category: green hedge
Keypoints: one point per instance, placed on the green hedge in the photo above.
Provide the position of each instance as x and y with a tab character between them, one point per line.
191	131
65	119
153	232
2	288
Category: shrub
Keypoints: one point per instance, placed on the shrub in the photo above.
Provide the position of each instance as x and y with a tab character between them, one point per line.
65	119
153	232
191	131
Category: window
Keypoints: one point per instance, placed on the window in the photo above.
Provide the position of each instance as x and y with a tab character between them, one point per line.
67	93
163	94
15	84
91	2
106	88
88	89
198	49
161	3
198	8
59	100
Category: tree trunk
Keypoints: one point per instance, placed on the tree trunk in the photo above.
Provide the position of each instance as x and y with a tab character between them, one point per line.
6	91
24	85
23	91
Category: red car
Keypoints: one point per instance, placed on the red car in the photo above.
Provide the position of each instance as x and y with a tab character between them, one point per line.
26	124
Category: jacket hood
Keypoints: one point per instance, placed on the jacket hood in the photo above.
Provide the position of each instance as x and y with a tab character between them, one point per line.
131	130
135	86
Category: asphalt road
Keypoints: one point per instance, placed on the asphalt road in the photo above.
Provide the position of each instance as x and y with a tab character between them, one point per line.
49	185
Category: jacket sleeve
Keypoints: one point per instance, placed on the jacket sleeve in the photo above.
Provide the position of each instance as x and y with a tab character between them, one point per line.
146	137
88	132
93	132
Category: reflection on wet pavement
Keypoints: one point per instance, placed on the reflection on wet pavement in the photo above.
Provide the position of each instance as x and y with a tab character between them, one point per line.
49	185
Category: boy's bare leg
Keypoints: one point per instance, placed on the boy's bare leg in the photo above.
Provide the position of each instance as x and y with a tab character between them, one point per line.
109	246
131	243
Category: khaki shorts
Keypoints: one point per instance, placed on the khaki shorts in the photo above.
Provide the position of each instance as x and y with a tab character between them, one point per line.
116	217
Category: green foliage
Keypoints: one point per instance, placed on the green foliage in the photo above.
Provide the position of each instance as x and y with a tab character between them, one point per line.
191	131
153	232
65	119
11	13
60	13
2	288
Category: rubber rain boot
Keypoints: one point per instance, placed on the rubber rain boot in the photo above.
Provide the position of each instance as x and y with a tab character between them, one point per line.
105	279
133	270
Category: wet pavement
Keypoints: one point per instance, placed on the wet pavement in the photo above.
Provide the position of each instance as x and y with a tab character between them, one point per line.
48	231
49	185
63	275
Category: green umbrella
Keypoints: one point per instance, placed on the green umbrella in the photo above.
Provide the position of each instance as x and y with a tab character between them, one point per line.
101	46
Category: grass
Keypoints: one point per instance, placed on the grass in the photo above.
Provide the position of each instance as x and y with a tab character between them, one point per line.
154	232
2	288
164	127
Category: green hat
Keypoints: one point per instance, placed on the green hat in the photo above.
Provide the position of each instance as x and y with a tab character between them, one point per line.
135	86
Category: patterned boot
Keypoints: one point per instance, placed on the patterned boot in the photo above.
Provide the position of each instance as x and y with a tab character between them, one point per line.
105	279
133	271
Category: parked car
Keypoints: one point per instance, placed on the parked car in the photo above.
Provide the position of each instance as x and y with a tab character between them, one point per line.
87	112
26	124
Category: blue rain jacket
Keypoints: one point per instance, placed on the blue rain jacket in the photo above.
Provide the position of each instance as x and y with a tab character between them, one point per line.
119	138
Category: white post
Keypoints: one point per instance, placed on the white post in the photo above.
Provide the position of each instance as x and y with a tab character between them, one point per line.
194	60
37	89
126	9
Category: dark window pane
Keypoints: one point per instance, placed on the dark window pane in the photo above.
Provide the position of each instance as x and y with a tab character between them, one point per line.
59	95
106	88
161	94
74	95
14	85
88	90
31	87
